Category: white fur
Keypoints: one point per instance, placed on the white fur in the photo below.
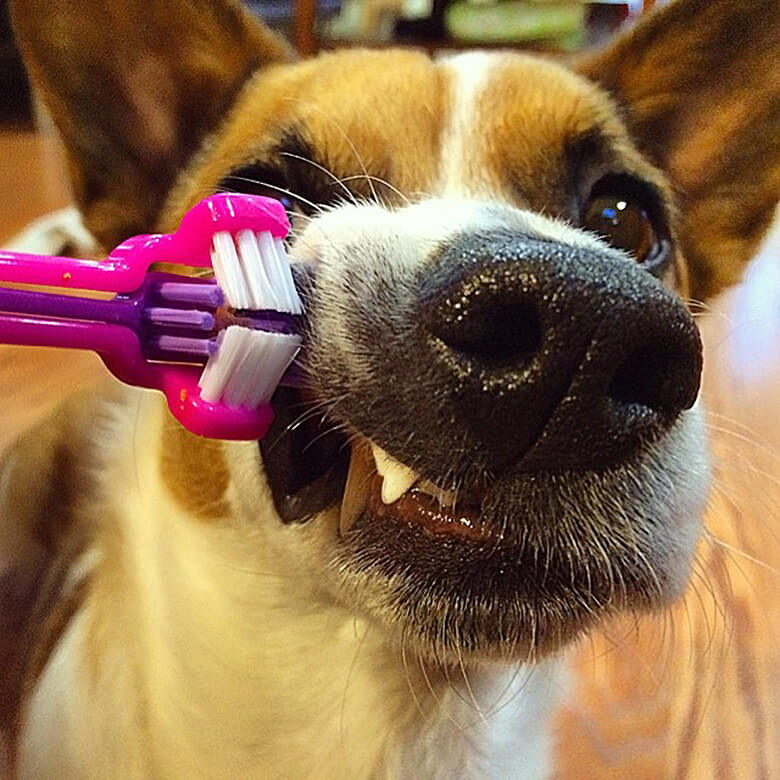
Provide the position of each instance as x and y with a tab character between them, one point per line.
469	73
216	662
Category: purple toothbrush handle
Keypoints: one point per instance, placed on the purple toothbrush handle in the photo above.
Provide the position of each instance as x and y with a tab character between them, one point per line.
127	312
146	304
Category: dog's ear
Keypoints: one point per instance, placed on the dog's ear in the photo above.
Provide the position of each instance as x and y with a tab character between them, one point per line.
699	83
134	87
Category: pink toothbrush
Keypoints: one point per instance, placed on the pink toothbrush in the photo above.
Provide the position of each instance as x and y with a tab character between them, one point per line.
161	328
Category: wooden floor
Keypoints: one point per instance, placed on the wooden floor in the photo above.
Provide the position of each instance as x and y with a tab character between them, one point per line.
690	694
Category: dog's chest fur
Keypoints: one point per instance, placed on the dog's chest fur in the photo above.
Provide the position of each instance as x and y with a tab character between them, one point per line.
166	672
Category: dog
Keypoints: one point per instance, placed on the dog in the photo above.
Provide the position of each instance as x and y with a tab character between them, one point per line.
499	445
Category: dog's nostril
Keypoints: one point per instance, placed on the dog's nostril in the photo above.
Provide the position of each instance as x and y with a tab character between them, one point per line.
653	377
494	331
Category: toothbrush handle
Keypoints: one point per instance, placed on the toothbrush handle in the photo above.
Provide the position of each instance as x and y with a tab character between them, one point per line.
120	350
110	341
118	346
120	310
114	274
125	268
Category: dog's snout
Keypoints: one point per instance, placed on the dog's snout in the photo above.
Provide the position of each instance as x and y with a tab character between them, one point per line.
559	357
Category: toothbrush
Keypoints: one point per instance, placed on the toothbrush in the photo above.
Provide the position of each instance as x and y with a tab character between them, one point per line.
217	348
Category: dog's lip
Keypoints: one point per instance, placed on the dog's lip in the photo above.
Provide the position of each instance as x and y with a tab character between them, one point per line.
413	502
417	508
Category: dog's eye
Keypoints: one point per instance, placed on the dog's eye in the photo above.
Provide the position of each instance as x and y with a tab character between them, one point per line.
624	223
629	214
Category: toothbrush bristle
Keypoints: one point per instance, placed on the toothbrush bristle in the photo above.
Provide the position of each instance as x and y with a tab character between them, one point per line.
253	272
247	366
245	362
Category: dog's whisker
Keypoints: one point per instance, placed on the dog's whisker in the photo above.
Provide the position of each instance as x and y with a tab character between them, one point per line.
334	428
436	698
706	308
256	572
710	628
736	423
470	691
322	407
740	437
349	142
766	501
409	683
350	672
379	180
711	537
326	171
650	569
502	701
316	207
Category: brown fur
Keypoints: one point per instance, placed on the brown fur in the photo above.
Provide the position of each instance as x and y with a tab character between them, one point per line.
394	136
195	472
700	87
164	75
47	478
535	147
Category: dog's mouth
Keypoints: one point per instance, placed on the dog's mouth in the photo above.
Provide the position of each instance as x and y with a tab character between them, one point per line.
380	487
311	466
517	565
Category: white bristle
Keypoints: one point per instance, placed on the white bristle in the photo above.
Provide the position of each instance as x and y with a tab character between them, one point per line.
247	366
287	286
265	243
259	284
227	269
254	273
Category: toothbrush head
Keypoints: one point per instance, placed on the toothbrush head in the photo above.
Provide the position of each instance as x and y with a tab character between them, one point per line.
241	238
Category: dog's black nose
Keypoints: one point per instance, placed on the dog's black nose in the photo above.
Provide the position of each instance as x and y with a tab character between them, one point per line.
558	357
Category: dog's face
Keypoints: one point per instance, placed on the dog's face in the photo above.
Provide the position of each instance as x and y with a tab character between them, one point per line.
499	442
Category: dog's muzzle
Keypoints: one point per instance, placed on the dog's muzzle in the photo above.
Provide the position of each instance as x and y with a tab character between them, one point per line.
497	355
503	352
501	396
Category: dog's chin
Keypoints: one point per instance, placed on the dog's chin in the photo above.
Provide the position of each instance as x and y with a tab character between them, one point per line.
517	569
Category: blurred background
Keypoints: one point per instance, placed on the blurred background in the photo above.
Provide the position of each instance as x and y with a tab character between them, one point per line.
691	694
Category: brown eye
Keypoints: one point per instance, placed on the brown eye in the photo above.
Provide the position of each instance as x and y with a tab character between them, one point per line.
625	224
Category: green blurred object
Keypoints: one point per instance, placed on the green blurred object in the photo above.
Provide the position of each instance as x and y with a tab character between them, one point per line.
517	21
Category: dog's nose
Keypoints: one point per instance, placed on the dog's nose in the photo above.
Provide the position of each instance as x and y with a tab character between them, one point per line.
558	357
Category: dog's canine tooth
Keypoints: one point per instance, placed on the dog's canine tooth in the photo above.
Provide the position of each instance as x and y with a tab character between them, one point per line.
361	468
396	478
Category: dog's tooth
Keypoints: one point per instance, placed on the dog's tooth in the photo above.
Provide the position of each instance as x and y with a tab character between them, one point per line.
395	485
445	497
357	487
396	478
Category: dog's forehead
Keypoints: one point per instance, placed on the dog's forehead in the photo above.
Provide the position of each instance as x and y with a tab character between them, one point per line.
472	124
516	124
